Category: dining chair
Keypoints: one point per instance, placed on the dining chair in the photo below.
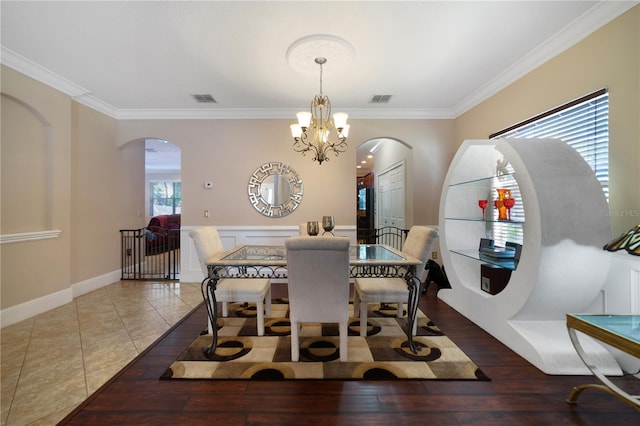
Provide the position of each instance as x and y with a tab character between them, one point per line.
418	244
255	290
318	275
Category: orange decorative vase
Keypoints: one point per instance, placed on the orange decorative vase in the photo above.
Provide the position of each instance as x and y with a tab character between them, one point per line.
502	210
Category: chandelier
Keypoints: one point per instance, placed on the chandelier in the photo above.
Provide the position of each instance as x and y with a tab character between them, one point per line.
314	128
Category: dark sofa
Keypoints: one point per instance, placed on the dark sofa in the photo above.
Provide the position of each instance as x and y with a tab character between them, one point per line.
162	234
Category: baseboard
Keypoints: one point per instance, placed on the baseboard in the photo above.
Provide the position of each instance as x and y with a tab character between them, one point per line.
31	308
87	286
26	310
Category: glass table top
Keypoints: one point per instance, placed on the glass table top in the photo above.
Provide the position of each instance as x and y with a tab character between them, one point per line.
271	254
373	252
626	326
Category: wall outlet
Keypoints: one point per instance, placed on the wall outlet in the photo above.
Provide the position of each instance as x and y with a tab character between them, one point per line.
434	255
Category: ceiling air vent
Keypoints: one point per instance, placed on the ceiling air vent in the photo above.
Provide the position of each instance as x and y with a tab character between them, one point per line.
380	99
205	99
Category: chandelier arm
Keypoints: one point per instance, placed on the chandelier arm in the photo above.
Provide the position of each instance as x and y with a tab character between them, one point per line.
338	147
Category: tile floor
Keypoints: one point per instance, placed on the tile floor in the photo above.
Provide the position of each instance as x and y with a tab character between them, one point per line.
54	361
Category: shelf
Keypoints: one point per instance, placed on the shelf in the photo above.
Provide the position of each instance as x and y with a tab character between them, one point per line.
510	264
524	315
474	219
501	178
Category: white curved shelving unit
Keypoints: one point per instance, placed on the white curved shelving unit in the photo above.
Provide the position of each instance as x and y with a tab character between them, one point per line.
562	268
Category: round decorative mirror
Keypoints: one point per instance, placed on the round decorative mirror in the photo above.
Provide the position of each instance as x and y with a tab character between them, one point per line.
275	189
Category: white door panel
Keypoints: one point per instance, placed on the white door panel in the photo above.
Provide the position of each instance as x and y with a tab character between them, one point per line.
391	200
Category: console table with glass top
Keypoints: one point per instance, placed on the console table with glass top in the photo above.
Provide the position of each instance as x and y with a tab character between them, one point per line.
268	261
621	332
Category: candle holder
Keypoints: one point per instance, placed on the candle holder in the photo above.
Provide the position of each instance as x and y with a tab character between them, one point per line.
328	223
313	228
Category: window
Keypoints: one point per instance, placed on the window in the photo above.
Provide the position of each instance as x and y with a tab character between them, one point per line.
166	198
584	125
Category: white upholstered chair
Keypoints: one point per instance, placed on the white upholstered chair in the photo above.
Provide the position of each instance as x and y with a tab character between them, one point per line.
393	290
256	290
318	274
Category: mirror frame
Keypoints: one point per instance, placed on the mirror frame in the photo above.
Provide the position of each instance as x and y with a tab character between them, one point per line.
261	204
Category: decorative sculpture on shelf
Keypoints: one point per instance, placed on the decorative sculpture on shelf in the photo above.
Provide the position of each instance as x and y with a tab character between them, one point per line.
501	167
499	203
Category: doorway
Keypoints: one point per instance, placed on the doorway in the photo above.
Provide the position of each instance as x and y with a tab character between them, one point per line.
391	200
383	195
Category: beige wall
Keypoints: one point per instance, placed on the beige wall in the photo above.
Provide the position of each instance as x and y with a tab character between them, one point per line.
38	268
227	152
610	57
93	190
107	193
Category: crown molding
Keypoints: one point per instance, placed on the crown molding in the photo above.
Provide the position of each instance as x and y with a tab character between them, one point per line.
599	15
29	68
97	104
78	93
596	17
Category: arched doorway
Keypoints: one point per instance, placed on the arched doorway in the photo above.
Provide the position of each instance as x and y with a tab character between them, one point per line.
382	187
163	183
153	251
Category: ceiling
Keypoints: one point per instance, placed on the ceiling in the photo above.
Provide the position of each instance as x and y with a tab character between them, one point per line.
147	59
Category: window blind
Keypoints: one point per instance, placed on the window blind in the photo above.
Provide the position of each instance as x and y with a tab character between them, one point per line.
584	125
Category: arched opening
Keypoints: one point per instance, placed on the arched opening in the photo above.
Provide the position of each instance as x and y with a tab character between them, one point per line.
383	196
153	252
163	183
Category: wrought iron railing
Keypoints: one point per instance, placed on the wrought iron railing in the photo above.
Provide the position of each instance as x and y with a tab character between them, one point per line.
150	254
387	235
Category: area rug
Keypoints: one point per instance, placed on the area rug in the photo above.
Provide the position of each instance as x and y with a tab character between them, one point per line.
382	355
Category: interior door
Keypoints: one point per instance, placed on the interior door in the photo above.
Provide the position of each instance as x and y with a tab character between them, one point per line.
391	199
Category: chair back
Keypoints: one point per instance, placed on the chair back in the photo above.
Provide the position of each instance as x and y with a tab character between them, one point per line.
418	244
208	245
318	275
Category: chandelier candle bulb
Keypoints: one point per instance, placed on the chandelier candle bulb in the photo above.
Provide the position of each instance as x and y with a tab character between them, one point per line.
296	130
340	120
304	119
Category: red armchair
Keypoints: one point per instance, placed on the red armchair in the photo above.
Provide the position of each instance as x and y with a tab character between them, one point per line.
162	234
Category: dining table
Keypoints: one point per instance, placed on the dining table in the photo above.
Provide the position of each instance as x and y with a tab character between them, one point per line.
618	331
270	261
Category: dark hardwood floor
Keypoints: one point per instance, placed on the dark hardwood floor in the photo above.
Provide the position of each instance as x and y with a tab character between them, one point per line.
518	394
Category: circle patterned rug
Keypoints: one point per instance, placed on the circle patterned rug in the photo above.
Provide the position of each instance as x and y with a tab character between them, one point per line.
383	355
